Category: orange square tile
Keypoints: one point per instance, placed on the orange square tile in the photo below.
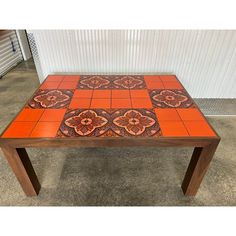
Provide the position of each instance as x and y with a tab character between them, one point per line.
172	85
80	103
80	93
167	114
141	103
171	78
101	103
45	130
120	93
190	114
151	78
28	114
71	78
155	85
19	129
53	115
101	94
121	103
49	85
142	93
67	85
173	128
55	78
199	128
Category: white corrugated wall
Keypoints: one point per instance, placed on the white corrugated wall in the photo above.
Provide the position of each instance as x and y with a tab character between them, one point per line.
204	60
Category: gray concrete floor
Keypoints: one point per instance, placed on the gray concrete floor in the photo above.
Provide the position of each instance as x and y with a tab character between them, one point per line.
113	176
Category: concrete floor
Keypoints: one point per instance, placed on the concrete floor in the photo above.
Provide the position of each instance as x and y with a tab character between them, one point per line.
113	176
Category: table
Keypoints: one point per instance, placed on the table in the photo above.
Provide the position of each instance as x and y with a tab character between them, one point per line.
109	110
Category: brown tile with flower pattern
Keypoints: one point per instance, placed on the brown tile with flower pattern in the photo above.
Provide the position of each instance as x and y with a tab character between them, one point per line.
51	99
109	122
166	98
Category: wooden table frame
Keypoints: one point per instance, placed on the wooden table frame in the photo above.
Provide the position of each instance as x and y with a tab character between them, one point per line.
17	157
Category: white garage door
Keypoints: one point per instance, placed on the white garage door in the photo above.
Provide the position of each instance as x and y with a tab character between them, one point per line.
10	53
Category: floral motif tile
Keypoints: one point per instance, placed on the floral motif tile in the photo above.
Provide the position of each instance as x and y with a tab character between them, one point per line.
51	99
166	98
111	82
109	122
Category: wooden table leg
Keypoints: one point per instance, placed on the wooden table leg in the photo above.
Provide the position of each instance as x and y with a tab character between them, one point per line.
20	163
197	168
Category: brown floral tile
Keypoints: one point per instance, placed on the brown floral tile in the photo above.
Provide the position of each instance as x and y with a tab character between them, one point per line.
111	82
109	123
94	82
166	98
51	99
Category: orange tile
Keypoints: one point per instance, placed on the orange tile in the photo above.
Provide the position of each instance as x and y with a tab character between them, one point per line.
120	93
150	78
173	128
80	93
28	114
49	85
71	78
155	85
199	128
190	114
45	130
101	94
80	103
170	78
53	115
142	93
167	114
55	78
101	103
172	85
121	103
67	85
141	103
19	129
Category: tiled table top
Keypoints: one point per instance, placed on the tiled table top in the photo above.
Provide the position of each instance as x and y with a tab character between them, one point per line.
109	106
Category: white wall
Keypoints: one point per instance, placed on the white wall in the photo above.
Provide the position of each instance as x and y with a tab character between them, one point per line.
205	61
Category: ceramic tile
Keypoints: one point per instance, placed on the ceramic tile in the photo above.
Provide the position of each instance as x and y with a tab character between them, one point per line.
71	78
173	128
155	85
79	93
120	93
170	78
45	130
109	123
100	103
101	94
68	85
77	103
18	129
152	78
190	114
172	85
167	114
55	78
121	103
53	115
28	114
141	93
141	103
173	98
51	99
198	128
50	85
